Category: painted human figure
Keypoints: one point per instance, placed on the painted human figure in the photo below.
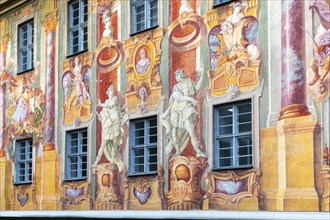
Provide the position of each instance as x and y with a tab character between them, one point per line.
112	119
79	87
106	19
180	117
320	64
144	63
237	15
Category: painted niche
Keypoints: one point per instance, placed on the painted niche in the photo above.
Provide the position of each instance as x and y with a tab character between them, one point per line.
77	74
110	52
235	55
188	31
142	65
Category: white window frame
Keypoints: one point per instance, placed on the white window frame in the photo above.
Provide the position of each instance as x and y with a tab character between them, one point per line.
147	14
80	153
234	136
212	102
28	48
146	146
82	24
28	175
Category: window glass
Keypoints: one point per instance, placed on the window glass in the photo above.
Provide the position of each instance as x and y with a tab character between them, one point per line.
23	161
233	135
144	14
78	36
143	146
76	154
25	46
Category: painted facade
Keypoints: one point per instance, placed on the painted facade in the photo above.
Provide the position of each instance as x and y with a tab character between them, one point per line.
200	58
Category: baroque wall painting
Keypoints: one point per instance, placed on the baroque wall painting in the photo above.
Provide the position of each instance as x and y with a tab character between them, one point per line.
25	111
142	66
235	55
318	78
76	82
109	163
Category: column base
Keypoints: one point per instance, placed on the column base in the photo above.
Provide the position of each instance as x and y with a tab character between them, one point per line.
49	187
294	199
292	111
325	173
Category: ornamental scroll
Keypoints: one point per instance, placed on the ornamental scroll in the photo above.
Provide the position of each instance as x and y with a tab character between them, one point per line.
142	65
235	55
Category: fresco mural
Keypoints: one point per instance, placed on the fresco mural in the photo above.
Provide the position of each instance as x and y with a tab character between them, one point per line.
25	111
76	85
318	72
201	56
235	56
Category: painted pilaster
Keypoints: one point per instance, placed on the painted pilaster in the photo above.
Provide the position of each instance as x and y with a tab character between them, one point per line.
293	98
49	182
298	135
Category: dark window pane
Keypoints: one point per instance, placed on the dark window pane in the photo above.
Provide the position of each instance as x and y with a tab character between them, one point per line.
225	143
152	167
246	117
226	130
244	127
226	162
243	108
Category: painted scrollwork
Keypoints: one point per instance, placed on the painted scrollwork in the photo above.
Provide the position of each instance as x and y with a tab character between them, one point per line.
231	187
108	195
142	67
25	197
185	182
235	54
75	194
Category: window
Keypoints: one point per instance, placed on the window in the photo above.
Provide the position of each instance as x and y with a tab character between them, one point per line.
220	2
76	154
144	14
23	162
143	146
233	135
25	46
78	13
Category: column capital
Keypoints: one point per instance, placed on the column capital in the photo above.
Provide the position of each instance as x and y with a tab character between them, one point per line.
50	21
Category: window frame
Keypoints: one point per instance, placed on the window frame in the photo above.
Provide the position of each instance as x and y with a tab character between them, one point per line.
27	162
235	135
29	48
78	27
147	13
79	154
146	146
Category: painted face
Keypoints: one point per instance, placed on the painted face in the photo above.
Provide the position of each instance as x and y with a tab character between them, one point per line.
76	60
178	76
143	53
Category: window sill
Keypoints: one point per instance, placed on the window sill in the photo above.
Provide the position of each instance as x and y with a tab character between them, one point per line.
25	71
75	180
142	174
22	183
75	54
232	168
147	29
